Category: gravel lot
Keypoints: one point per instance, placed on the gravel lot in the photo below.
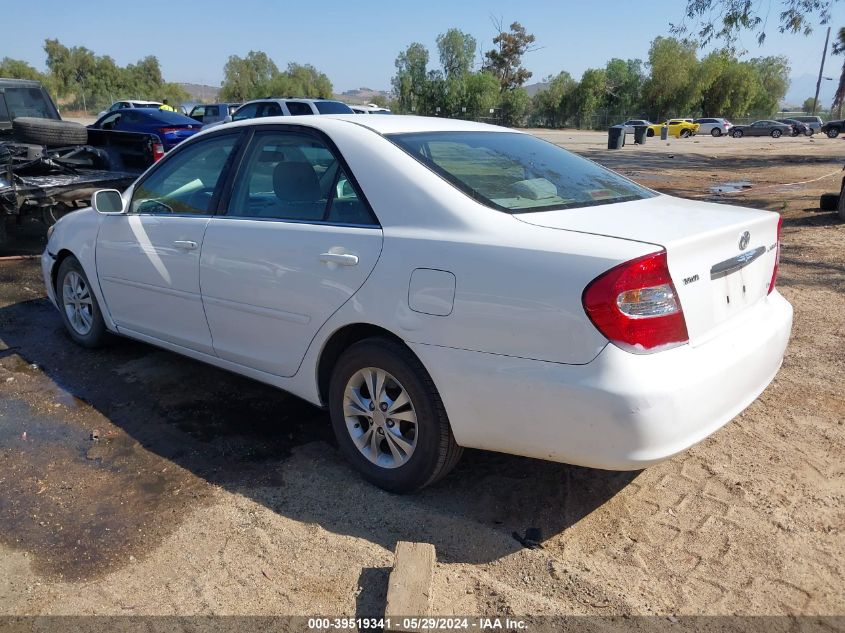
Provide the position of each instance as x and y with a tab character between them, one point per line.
206	493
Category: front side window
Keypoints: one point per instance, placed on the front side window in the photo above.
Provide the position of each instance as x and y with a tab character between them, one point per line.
516	172
248	111
291	176
186	182
198	113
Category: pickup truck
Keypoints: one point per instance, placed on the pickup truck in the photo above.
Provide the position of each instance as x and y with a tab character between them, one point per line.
49	167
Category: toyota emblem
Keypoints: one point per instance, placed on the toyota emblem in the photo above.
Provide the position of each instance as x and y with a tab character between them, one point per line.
743	240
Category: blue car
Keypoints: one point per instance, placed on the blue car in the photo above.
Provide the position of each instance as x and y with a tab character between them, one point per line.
171	127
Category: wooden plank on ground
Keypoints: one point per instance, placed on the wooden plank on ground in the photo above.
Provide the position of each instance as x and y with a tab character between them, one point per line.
409	587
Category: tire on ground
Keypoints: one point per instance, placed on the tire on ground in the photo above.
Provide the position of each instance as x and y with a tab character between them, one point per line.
833	132
829	202
436	451
50	132
98	335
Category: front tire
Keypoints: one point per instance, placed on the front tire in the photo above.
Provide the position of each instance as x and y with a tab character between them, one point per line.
715	132
686	133
78	306
737	134
388	417
832	132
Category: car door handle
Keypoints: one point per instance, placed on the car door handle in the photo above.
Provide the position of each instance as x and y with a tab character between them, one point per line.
188	245
341	259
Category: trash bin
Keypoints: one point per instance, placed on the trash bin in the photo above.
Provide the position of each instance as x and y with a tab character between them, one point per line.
616	137
640	134
664	133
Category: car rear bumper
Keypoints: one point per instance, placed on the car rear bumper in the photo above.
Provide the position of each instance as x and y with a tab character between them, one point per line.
621	411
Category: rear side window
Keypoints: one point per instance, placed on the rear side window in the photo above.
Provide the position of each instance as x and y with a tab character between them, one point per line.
332	107
297	108
290	176
518	172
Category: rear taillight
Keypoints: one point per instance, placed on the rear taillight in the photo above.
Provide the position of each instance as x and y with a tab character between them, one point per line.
777	258
158	152
636	307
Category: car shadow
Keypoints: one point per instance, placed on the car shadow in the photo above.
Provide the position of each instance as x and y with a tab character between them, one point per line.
257	441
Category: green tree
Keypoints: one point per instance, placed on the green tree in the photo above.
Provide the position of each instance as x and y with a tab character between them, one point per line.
588	96
505	59
625	79
514	104
726	19
671	89
810	103
18	69
839	96
734	88
551	104
409	83
248	77
482	94
457	51
773	75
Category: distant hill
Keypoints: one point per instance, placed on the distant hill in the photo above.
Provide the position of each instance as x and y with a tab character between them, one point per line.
201	92
361	95
533	89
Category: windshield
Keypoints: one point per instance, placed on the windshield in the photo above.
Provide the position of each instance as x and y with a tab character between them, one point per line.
332	107
518	173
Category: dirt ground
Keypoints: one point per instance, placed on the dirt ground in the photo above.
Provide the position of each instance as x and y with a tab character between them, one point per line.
134	481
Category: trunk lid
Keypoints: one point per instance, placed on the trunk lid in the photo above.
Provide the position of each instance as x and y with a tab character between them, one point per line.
718	272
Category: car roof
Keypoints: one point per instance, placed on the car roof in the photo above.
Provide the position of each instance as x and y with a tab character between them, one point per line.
396	124
137	101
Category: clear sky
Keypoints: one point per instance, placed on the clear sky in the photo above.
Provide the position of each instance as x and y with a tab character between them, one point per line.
356	43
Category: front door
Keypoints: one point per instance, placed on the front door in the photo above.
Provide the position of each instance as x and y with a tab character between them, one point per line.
148	258
297	241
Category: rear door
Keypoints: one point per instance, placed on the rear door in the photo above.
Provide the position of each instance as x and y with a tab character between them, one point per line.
148	258
297	241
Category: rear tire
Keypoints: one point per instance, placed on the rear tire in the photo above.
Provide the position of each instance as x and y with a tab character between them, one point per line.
650	133
829	202
78	305
49	132
776	133
421	448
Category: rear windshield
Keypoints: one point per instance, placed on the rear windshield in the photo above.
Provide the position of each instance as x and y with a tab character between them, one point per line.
518	173
26	102
166	116
332	107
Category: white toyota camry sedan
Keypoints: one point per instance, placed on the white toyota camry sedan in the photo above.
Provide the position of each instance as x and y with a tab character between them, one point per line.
436	284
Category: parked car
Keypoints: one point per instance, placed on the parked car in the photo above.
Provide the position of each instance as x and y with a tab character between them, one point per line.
630	124
130	103
679	128
49	167
171	127
762	128
369	109
432	298
798	128
213	112
814	122
713	126
284	107
833	128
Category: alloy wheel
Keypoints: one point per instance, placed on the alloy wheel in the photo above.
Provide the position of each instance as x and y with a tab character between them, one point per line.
76	300
380	417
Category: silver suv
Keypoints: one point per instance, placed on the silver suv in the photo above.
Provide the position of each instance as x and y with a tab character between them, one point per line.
713	126
260	108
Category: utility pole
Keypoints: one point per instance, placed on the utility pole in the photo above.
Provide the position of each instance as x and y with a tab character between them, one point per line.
821	70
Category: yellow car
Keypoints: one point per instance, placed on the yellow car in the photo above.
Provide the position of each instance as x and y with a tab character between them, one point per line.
679	128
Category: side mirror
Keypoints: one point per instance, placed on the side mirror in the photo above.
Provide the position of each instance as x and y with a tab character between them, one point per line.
107	202
228	119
